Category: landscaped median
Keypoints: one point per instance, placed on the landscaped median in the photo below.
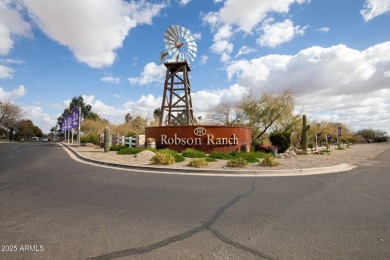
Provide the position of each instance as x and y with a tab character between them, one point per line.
337	160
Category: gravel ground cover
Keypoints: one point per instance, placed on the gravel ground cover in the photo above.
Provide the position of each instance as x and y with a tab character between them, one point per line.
353	155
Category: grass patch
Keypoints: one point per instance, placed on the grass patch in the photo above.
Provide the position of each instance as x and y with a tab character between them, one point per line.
117	147
134	150
193	153
251	157
210	159
221	156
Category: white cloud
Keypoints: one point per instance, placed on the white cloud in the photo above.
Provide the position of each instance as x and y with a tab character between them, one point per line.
246	14
245	50
279	33
62	20
144	106
205	100
223	33
324	29
203	59
151	73
11	61
184	2
5	72
197	36
224	48
58	106
12	26
15	93
37	115
101	108
374	8
110	79
337	80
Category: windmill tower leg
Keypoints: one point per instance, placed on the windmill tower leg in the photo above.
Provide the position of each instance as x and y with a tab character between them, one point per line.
176	107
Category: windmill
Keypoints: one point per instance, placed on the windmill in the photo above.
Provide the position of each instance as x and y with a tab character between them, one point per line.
176	107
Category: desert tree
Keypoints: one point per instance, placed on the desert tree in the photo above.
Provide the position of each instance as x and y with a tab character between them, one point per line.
269	110
10	114
226	113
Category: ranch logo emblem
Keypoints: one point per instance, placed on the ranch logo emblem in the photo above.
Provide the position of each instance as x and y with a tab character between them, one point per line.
200	131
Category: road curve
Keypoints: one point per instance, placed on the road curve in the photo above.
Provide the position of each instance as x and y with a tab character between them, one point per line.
53	207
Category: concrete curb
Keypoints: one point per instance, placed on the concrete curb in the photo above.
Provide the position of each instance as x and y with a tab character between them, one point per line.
213	172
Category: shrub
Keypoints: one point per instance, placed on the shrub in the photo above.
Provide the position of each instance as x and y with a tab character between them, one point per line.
269	160
163	159
210	159
131	150
220	155
90	138
237	162
250	157
131	134
198	163
117	147
193	153
178	157
281	139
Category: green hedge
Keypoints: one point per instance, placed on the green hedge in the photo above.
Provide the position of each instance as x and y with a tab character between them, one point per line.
131	150
117	147
221	155
193	153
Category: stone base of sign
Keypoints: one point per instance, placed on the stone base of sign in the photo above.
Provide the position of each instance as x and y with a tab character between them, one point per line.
140	141
206	138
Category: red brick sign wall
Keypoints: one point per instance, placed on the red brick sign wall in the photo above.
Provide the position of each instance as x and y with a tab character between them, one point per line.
205	138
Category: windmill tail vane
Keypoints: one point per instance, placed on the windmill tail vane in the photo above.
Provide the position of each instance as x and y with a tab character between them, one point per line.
163	55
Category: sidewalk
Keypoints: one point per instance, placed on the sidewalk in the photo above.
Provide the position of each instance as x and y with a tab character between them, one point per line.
209	172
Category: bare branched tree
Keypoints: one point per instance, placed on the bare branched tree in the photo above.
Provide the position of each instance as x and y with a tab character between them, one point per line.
10	114
226	114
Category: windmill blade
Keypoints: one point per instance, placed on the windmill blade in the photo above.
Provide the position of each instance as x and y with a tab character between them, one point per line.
180	43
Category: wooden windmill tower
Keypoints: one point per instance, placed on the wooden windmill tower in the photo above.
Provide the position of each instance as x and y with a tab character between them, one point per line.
176	107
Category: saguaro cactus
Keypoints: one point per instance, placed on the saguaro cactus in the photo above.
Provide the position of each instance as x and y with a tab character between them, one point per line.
106	139
305	130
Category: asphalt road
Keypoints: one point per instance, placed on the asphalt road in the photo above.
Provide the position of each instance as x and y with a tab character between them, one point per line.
53	207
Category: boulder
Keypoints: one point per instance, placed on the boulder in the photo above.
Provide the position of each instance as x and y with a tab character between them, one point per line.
145	155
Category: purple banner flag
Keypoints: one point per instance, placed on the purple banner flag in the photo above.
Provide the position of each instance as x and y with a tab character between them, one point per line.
75	117
63	127
69	122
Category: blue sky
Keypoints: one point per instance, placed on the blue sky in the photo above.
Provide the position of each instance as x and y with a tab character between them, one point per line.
334	54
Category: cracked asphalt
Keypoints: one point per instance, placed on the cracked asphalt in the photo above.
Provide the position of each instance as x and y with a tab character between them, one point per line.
73	210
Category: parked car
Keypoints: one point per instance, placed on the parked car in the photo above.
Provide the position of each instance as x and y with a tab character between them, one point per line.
45	140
